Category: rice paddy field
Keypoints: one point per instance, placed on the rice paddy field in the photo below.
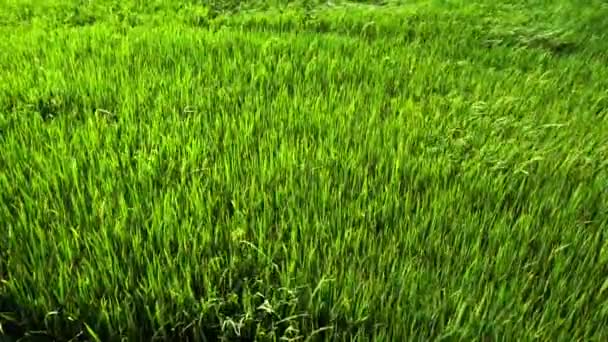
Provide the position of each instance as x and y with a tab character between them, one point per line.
303	170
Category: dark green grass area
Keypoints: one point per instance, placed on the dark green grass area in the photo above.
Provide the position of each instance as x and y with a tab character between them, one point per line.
273	171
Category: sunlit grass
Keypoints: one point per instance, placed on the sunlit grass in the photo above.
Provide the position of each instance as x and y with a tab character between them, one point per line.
401	172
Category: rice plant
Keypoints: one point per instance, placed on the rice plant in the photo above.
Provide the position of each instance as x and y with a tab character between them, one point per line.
303	171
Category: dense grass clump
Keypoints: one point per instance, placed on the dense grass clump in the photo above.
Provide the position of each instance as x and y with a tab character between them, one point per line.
282	171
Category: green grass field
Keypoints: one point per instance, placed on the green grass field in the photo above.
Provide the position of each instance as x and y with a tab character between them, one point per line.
304	171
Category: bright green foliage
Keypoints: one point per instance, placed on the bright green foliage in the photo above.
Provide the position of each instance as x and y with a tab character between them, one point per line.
420	170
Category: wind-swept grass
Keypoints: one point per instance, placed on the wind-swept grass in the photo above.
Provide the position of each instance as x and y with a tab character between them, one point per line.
425	171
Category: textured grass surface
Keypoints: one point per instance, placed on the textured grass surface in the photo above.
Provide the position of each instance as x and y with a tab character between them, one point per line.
410	171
